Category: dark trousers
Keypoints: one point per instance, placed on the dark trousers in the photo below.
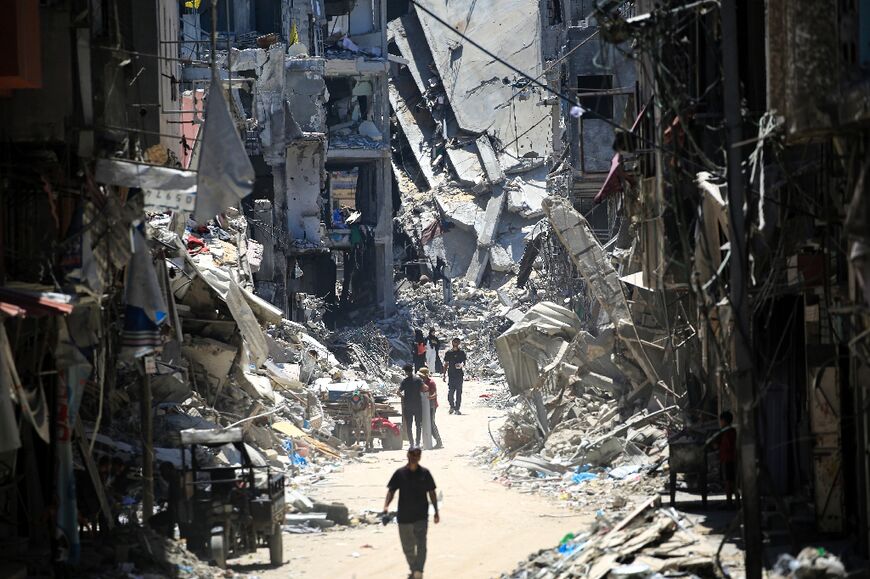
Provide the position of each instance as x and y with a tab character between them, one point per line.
435	434
419	361
413	537
454	392
414	415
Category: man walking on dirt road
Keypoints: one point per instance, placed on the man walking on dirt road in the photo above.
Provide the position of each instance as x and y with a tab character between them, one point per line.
415	484
454	360
412	405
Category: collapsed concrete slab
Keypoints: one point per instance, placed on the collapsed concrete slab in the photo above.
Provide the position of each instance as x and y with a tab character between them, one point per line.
409	39
417	132
602	279
530	345
526	194
486	237
408	36
466	165
481	95
489	160
464	213
491	218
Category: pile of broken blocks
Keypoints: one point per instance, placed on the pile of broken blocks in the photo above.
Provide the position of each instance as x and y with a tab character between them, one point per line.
589	451
649	542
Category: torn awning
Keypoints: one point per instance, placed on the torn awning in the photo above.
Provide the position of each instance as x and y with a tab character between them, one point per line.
163	187
613	181
617	175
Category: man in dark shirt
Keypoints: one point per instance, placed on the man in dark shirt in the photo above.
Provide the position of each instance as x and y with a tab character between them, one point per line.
454	359
414	483
412	404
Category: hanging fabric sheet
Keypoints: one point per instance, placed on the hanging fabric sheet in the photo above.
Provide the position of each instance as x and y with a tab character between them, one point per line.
74	372
146	307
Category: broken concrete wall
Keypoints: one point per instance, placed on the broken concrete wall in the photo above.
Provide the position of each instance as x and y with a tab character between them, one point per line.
305	91
606	66
304	171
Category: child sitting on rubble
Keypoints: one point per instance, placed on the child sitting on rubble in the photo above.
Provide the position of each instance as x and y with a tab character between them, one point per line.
727	441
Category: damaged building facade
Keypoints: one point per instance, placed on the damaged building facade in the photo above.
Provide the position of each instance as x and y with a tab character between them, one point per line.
309	85
167	193
714	232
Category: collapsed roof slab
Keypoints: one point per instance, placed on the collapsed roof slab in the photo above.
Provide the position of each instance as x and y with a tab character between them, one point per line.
411	42
459	210
474	84
466	164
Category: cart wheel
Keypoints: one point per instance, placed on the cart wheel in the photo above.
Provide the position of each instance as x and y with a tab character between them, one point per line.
218	551
276	546
391	441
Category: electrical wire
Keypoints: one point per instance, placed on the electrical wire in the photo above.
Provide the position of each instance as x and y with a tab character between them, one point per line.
592	114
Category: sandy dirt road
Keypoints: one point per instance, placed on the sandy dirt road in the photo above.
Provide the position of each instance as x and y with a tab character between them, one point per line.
485	527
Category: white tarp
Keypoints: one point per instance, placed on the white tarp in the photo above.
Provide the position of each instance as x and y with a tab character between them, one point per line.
225	174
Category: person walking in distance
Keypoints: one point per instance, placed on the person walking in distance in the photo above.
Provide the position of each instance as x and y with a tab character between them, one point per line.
412	405
433	344
454	359
439	274
432	390
415	485
419	349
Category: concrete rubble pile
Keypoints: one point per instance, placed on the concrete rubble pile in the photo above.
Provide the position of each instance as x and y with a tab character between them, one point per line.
146	553
219	366
476	315
475	144
588	411
650	542
230	359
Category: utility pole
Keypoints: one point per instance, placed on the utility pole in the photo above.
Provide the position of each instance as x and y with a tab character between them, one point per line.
743	376
147	445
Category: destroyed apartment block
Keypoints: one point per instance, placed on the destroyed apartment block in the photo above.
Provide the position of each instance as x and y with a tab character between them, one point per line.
442	140
317	119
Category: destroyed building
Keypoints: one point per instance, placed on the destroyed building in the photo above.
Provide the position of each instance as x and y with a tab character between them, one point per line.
141	169
309	84
729	273
477	145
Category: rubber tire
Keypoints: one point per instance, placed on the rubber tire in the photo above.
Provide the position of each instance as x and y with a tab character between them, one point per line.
276	546
391	441
218	550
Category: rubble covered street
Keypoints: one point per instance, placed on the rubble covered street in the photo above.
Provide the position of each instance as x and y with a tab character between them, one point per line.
603	262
